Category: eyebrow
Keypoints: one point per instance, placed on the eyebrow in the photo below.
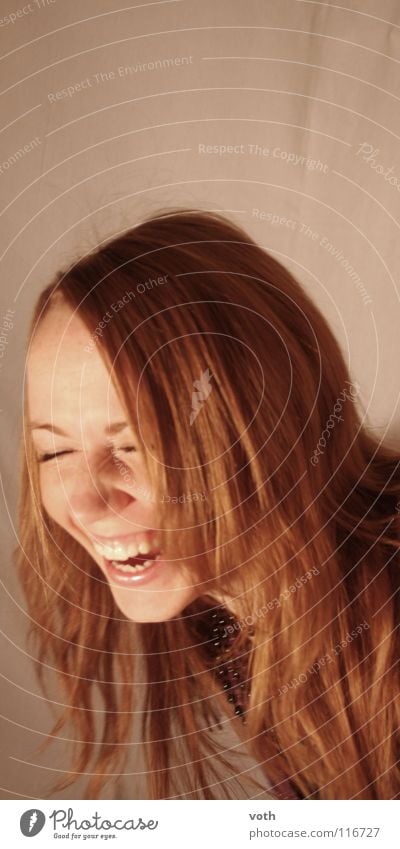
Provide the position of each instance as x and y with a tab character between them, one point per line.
116	427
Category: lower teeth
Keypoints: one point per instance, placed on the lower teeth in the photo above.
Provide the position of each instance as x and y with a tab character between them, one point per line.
124	567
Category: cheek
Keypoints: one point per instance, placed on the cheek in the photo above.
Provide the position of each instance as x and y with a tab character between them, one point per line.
54	497
136	476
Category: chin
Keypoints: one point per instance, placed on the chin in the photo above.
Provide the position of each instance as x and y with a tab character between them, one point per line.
153	606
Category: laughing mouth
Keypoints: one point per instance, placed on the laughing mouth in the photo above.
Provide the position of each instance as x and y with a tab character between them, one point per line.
136	564
135	556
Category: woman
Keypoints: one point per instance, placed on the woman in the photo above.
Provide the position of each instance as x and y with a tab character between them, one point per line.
199	497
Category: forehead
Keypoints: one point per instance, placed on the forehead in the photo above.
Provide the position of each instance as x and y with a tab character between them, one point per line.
66	375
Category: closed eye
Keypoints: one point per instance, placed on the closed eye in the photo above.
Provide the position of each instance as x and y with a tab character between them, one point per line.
44	458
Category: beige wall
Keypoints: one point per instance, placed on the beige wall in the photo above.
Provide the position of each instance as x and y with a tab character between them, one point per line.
267	78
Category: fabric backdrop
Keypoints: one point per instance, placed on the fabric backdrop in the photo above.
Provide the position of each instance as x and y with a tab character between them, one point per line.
285	115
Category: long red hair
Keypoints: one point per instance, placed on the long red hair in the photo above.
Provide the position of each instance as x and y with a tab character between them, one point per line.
300	526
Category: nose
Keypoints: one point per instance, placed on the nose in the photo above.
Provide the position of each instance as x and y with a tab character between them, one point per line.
95	494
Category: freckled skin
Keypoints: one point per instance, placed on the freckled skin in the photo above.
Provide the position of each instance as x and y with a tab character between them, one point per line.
84	491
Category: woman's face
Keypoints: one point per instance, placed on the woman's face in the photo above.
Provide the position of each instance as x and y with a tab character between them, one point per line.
97	487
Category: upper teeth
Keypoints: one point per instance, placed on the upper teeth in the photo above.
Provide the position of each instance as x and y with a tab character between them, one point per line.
117	551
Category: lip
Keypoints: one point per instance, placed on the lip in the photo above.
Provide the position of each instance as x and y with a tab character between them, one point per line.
121	537
125	579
